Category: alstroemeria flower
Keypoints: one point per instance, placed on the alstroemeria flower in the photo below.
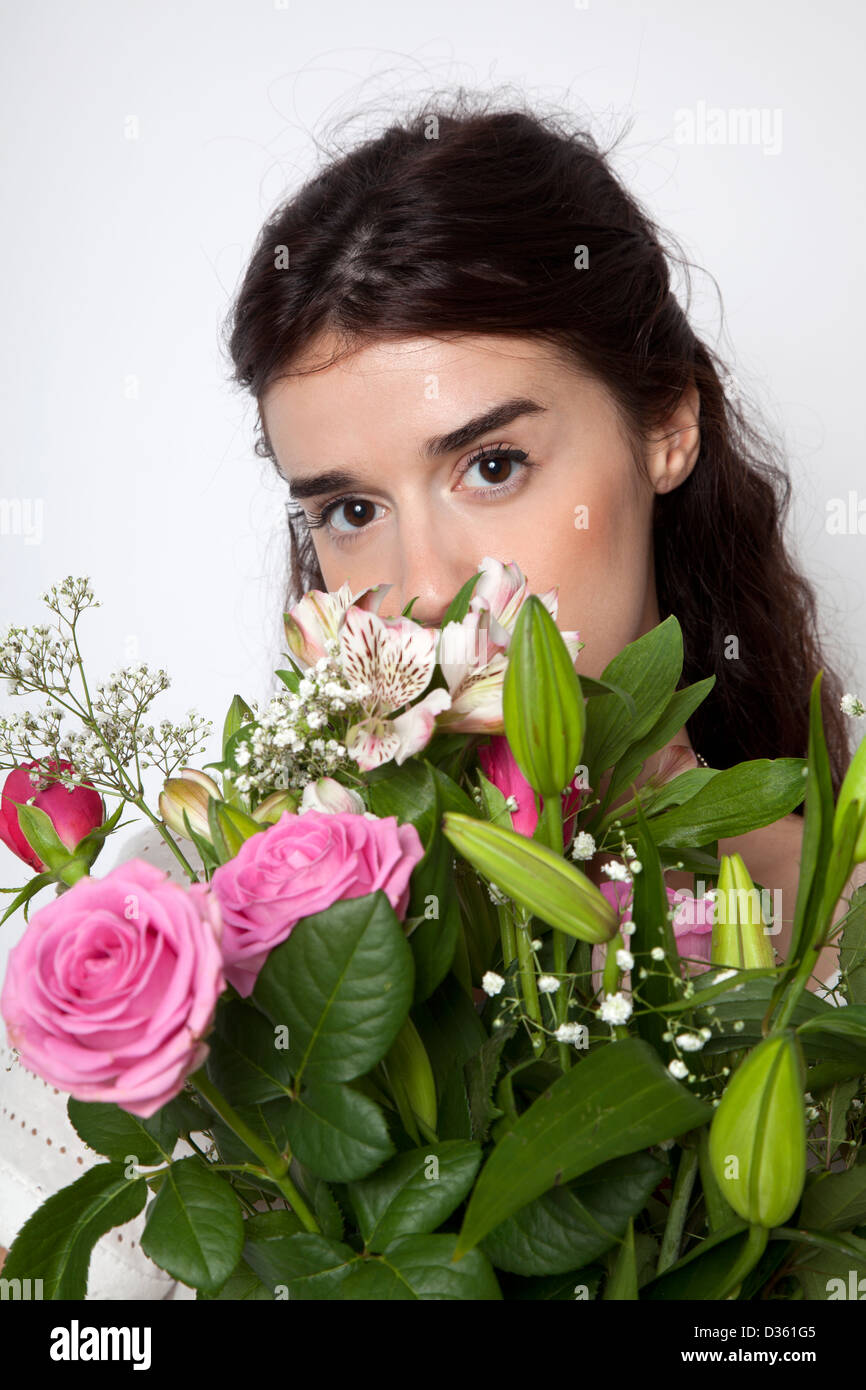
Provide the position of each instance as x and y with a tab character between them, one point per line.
316	621
473	654
473	663
389	662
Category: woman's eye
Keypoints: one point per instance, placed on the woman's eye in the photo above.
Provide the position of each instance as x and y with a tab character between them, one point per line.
356	512
495	467
345	517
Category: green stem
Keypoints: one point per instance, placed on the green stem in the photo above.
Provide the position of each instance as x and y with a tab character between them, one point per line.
719	1213
73	871
550	821
610	976
560	968
275	1164
164	832
527	980
552	834
506	932
753	1249
683	1184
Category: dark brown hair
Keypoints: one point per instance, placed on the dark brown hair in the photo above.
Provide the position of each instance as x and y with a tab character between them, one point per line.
462	218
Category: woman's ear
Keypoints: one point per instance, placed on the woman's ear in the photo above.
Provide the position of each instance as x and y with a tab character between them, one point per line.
671	457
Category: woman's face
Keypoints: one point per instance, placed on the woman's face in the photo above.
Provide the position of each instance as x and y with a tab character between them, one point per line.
428	489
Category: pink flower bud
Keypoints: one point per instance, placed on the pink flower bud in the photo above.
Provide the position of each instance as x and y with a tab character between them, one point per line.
72	813
499	766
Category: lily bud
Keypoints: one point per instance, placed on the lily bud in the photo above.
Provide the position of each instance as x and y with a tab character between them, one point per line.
190	792
329	795
739	938
757	1144
534	875
542	702
273	806
854	789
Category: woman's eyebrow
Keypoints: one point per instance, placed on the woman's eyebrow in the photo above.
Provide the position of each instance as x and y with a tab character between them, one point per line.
317	484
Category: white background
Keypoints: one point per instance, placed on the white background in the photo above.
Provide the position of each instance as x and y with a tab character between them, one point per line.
120	257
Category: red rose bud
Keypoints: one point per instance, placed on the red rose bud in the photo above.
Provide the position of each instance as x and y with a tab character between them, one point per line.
73	814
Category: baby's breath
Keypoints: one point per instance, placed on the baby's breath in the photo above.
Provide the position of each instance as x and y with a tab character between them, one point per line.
107	741
291	741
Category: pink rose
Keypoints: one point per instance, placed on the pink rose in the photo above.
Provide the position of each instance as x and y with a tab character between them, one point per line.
500	767
112	987
301	865
72	813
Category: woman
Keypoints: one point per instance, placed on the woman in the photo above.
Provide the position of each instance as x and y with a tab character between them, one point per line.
462	341
466	325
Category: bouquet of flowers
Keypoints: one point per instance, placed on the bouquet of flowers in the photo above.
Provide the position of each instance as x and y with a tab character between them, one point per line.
411	1048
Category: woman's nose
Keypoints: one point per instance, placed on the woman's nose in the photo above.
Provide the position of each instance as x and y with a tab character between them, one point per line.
432	577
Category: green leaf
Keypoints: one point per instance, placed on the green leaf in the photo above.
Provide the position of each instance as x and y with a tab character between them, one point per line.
411	1082
238	711
209	858
705	1272
120	1135
459	605
186	1114
617	1100
421	1267
745	999
38	830
415	1192
342	984
56	1242
434	940
480	1073
242	1285
577	1286
306	1265
852	948
29	890
817	830
291	679
590	686
679	709
338	1133
839	1033
571	1226
244	1060
835	1201
409	793
829	1268
622	1283
737	799
417	793
194	1229
649	669
480	922
653	928
450	1029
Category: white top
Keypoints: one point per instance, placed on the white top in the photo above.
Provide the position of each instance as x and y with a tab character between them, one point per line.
40	1152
